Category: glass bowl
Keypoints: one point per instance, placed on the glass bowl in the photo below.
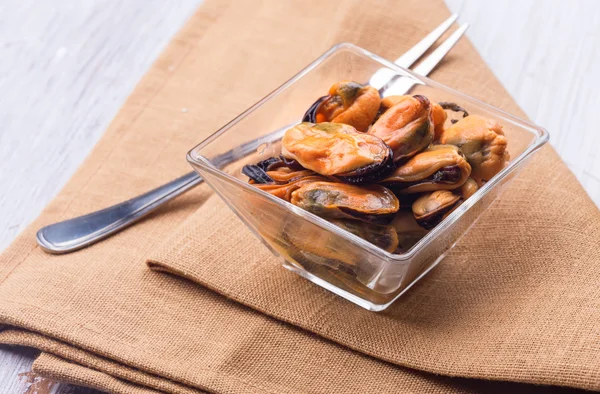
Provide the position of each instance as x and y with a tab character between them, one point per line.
311	246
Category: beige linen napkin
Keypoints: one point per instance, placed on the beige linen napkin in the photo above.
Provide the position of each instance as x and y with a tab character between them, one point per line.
104	320
516	299
60	370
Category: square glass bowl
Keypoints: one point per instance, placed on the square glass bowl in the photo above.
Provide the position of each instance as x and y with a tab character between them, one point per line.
311	246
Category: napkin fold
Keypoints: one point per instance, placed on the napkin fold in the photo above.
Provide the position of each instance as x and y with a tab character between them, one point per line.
64	362
515	299
60	370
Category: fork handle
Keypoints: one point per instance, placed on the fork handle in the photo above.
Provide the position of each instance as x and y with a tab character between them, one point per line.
79	232
82	231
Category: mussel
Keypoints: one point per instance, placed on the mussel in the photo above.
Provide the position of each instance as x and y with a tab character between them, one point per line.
438	114
333	256
282	174
349	103
270	163
296	180
407	126
483	143
439	117
439	167
336	149
408	230
468	188
332	200
389	101
432	208
279	178
258	172
383	236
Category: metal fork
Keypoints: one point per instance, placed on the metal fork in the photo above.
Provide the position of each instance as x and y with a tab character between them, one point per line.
74	234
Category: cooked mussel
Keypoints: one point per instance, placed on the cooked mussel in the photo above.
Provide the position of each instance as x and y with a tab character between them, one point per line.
274	170
483	143
258	172
407	126
331	200
336	149
285	190
432	208
389	101
282	171
408	230
349	103
438	114
333	256
383	236
468	188
439	167
439	117
284	175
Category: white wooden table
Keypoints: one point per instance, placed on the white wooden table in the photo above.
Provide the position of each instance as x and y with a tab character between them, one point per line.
68	65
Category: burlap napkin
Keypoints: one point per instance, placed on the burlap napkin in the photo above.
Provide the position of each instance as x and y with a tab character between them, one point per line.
518	304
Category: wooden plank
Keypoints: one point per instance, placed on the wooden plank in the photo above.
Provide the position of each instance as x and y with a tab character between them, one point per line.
16	375
67	68
14	362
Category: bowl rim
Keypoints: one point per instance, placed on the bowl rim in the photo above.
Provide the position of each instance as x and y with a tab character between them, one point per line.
542	136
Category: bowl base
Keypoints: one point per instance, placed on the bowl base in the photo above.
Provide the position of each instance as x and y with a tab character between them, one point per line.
371	306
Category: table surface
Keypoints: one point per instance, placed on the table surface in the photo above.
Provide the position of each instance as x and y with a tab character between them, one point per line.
69	65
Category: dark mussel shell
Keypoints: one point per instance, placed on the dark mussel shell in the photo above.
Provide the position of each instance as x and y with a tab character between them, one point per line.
259	172
449	175
311	114
291	163
267	164
453	107
256	173
406	200
445	175
371	173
